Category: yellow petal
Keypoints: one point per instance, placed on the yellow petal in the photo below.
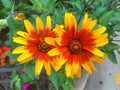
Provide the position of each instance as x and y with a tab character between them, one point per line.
68	69
75	68
101	37
67	20
73	22
38	66
20	40
28	25
99	53
54	52
47	68
87	68
24	55
59	29
50	41
59	41
102	43
19	49
39	24
48	23
85	18
117	74
98	60
92	66
26	60
91	24
88	22
99	31
79	72
22	33
95	51
61	61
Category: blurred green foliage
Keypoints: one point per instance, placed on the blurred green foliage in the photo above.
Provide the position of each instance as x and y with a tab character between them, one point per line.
107	13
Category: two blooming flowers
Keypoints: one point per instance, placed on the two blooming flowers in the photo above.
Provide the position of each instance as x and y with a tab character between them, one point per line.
64	45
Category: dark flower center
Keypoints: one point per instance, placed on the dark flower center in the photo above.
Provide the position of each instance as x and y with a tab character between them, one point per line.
74	46
44	47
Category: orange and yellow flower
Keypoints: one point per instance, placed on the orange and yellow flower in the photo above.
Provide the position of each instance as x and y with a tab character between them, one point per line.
78	48
33	45
20	16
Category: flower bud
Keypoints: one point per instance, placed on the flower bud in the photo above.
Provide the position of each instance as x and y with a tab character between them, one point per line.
3	23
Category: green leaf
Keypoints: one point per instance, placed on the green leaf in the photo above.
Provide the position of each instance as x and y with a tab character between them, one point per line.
116	16
105	18
18	85
15	77
111	46
112	57
62	77
54	78
65	87
99	11
29	69
116	27
7	3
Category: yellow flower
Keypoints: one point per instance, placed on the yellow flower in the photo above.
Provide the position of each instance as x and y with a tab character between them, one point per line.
78	48
117	74
33	45
20	16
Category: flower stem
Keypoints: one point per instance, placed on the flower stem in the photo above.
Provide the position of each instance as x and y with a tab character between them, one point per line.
86	5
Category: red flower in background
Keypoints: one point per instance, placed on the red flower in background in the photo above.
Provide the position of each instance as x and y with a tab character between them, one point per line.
3	51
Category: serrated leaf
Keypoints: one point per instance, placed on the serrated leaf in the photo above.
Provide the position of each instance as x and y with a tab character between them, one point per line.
62	77
116	27
7	3
29	69
14	79
116	16
54	78
18	85
112	57
99	11
65	87
105	18
112	46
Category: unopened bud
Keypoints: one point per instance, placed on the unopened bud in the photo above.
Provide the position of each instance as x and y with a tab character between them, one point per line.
3	23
